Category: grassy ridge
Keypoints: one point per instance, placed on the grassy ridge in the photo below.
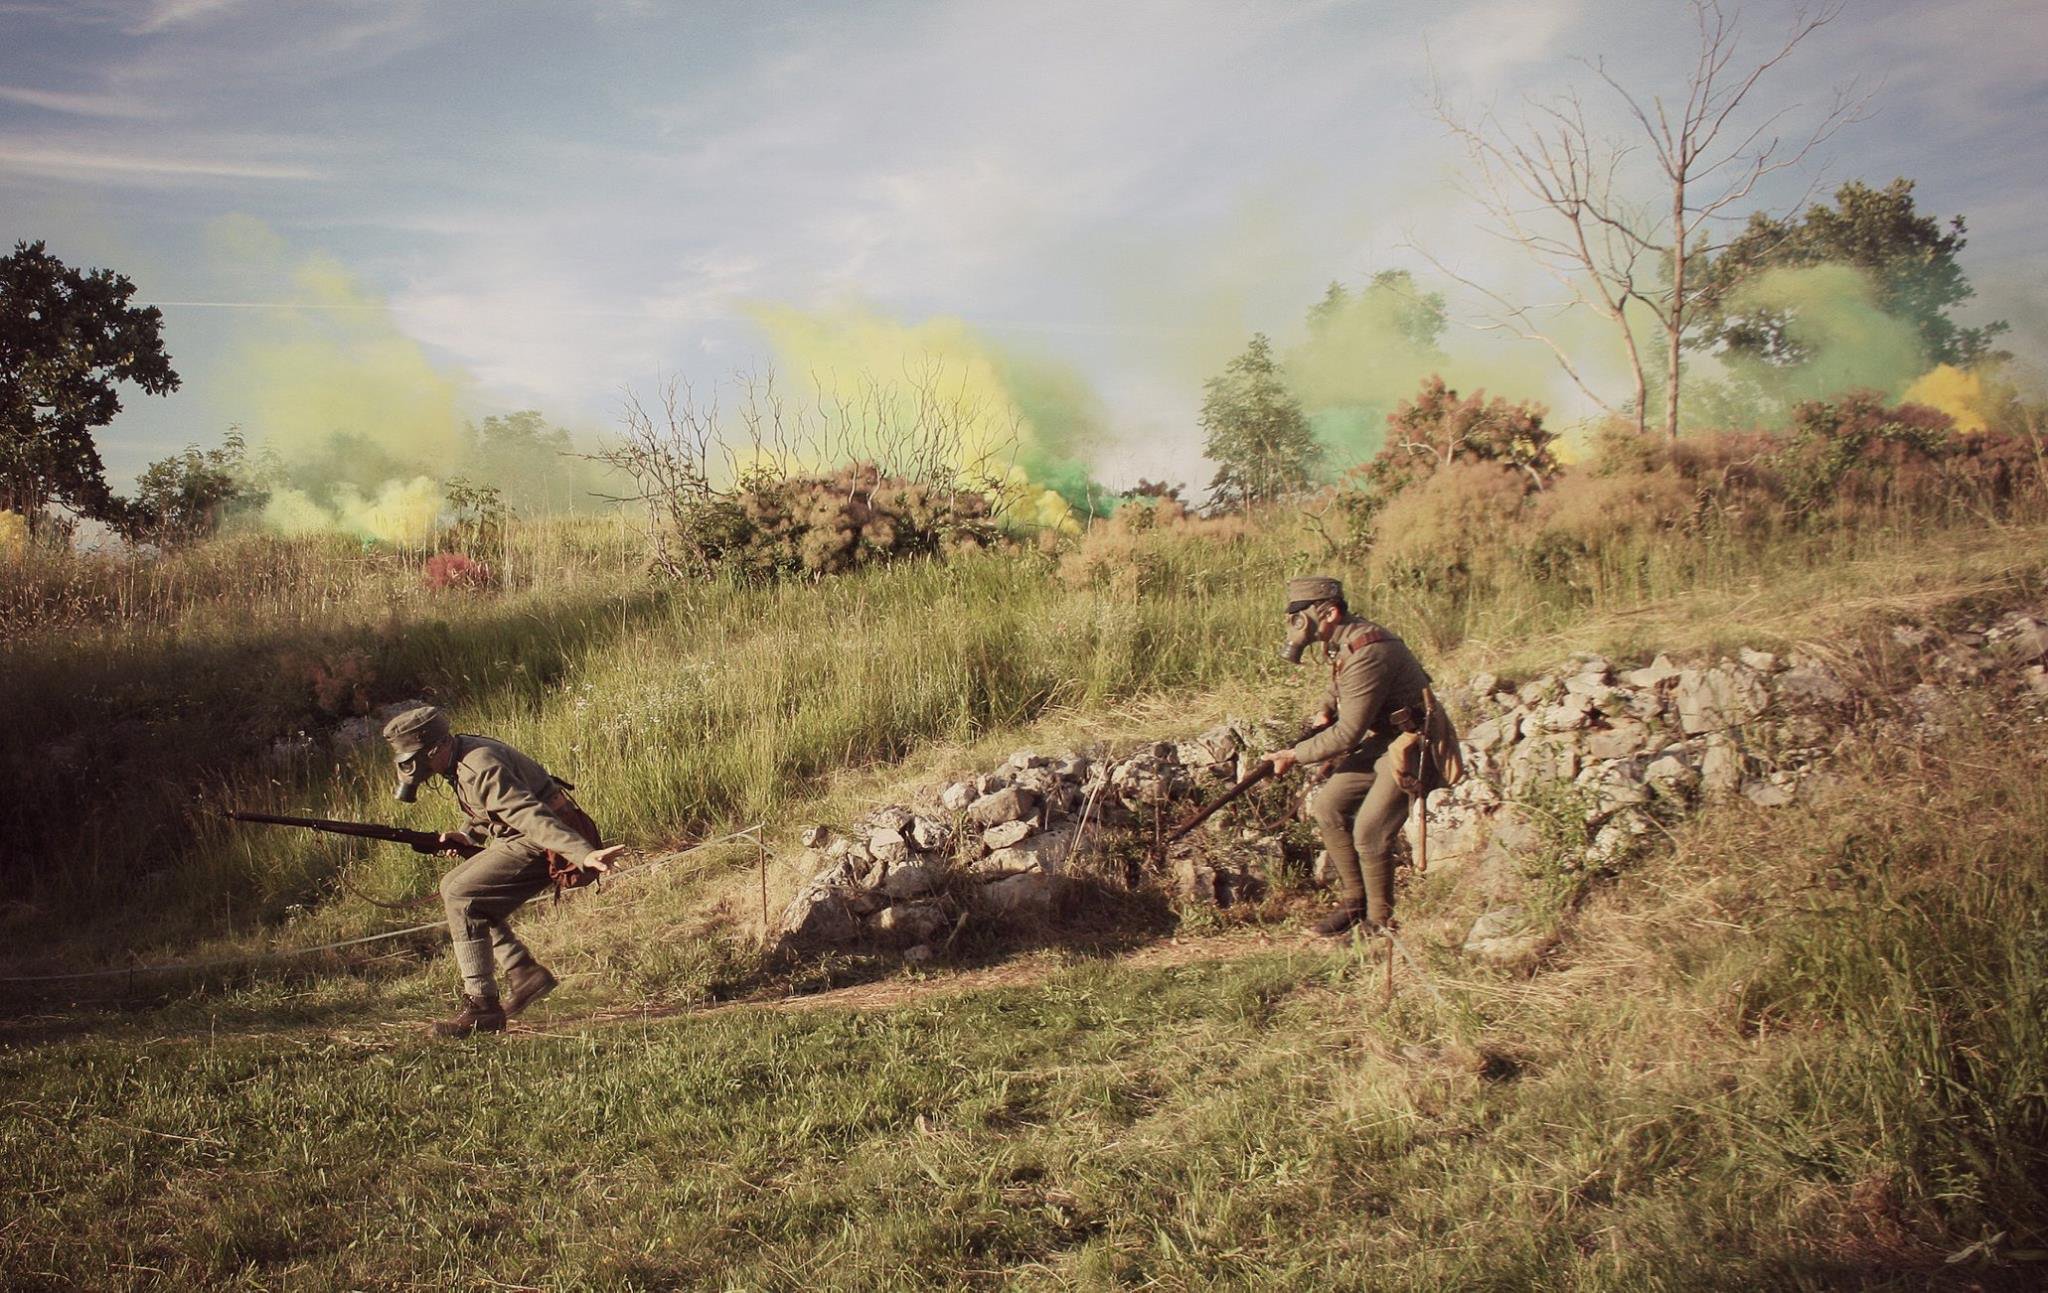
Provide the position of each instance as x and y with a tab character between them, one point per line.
1790	1053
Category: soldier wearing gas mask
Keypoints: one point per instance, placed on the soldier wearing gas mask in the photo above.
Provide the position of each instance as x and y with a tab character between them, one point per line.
518	816
1375	694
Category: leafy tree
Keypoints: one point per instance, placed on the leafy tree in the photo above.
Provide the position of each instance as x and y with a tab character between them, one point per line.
532	464
185	497
1257	435
1909	257
66	339
1419	317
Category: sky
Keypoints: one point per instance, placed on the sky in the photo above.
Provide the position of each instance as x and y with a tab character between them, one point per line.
557	205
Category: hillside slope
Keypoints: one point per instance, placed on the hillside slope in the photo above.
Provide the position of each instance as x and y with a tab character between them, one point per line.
1799	1049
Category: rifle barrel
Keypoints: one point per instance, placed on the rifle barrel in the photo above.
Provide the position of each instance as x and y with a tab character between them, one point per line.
1250	779
420	841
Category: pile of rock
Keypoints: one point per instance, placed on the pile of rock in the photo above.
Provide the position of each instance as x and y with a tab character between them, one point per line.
1005	844
1616	751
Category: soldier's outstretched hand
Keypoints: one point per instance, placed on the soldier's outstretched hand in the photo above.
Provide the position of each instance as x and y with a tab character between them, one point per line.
602	859
1282	761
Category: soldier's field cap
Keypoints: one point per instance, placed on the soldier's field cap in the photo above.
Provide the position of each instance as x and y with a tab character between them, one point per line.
1305	590
416	729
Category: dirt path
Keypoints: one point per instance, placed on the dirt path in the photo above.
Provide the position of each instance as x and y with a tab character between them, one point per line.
897	990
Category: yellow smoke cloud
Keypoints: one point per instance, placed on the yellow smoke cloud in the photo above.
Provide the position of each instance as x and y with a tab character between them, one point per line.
403	512
1832	313
1955	392
358	418
912	390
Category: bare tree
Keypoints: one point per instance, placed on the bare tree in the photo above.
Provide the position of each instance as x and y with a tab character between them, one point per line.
1573	200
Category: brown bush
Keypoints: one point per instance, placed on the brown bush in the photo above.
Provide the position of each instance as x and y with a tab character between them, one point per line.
1130	551
1438	533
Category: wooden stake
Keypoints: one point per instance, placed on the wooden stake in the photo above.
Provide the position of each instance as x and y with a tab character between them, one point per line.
761	845
1388	939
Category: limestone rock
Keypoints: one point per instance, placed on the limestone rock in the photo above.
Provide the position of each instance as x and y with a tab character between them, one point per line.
1499	938
1540	759
910	922
1618	740
2021	639
956	797
1613	786
1027	894
1007	834
1213	885
1494	733
888	846
1047	851
1005	805
895	817
1775	791
929	835
1027	759
820	917
1717	699
1568	715
1721	766
1657	673
816	836
910	880
1672	778
1761	661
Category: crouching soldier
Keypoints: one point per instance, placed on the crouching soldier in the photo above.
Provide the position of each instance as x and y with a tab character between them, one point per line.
518	816
1376	692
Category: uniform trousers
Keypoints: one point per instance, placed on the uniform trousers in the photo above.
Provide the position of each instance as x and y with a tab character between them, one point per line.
1359	813
481	893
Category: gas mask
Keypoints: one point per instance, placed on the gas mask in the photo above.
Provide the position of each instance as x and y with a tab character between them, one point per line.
413	773
1301	630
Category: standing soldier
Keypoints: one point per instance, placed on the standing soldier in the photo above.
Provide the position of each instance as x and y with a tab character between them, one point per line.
1375	694
518	816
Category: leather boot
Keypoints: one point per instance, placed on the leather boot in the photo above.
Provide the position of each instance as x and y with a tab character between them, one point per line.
525	985
478	1015
1347	915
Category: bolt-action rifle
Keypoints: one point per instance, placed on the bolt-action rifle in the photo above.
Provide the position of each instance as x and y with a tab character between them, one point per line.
427	842
1244	783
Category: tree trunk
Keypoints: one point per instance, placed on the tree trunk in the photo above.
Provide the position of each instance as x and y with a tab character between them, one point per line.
1674	319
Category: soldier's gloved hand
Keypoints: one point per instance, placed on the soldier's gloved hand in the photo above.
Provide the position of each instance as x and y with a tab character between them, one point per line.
602	859
1283	762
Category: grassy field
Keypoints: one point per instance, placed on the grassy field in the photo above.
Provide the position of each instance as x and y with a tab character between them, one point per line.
1785	1051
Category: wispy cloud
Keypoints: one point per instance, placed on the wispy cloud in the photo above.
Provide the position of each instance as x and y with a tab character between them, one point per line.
177	13
83	105
133	167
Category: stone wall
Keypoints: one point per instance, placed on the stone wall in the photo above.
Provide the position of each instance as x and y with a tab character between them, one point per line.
1620	749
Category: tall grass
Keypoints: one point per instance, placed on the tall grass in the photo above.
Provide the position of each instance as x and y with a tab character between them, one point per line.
1792	1052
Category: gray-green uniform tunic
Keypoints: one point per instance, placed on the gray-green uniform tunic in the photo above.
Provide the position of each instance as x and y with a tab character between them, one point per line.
504	795
1359	810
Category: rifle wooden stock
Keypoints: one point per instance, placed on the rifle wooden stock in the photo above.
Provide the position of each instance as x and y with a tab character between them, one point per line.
418	841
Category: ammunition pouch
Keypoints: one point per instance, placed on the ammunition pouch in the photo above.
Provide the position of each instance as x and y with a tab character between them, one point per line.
564	873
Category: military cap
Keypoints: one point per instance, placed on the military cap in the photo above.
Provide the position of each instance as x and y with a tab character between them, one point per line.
1313	588
416	729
